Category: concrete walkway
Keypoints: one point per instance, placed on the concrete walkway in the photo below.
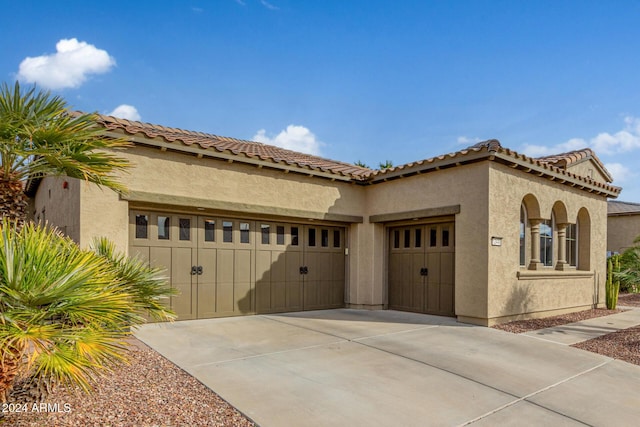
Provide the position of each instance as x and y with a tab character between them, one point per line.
584	330
389	368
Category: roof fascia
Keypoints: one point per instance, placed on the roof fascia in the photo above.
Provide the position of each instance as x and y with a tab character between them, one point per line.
230	157
556	174
429	165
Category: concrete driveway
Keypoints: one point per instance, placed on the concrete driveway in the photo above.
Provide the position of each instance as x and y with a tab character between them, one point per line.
389	368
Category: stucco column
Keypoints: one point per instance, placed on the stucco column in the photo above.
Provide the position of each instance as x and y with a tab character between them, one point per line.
535	263
562	247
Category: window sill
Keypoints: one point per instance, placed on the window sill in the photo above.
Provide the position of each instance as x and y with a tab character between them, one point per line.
553	274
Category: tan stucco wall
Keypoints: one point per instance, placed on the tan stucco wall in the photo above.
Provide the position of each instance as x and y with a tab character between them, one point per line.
103	215
185	175
547	290
488	288
588	168
622	231
466	186
58	206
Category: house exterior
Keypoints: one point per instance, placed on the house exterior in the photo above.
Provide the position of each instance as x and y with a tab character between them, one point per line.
483	234
623	225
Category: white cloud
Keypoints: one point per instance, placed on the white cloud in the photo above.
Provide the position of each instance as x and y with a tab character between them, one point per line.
625	140
296	138
268	5
125	111
70	66
619	172
468	141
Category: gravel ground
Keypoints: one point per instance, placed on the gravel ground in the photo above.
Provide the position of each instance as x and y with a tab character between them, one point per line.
151	391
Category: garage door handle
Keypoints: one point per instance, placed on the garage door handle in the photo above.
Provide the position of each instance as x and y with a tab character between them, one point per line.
194	270
304	270
199	270
424	271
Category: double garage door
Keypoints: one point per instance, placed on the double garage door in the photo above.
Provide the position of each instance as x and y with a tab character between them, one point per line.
228	266
421	268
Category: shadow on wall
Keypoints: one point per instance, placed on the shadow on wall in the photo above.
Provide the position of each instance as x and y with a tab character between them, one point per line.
519	301
295	277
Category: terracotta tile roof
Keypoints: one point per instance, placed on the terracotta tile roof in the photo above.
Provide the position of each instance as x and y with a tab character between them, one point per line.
615	207
494	149
491	149
490	145
565	160
232	145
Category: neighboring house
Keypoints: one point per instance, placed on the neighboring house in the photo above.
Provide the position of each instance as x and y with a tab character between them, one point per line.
484	234
623	225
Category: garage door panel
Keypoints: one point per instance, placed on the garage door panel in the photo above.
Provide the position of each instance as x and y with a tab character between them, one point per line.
243	299
263	281
411	250
225	301
447	268
446	299
181	263
141	253
279	296
206	283
241	266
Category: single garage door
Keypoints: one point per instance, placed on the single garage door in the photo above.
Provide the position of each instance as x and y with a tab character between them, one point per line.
421	268
229	266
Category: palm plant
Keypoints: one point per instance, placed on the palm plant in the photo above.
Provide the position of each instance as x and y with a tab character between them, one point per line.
40	137
388	164
64	311
629	274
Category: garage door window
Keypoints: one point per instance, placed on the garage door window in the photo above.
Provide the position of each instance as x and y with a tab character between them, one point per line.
418	242
294	236
445	236
325	238
264	231
312	237
244	232
209	230
227	231
185	229
336	238
142	227
280	235
164	226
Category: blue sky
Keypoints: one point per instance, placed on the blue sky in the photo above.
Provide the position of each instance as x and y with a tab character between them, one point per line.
349	80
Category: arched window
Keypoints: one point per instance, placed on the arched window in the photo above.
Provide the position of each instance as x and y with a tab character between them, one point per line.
572	244
546	242
584	240
523	240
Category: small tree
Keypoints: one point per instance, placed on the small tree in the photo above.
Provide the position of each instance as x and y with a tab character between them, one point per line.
65	312
40	137
629	274
361	164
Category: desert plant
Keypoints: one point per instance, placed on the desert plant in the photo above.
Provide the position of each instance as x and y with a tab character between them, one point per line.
40	137
65	312
629	274
388	164
612	287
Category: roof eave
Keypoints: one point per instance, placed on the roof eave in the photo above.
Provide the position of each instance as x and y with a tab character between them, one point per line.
229	156
554	173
